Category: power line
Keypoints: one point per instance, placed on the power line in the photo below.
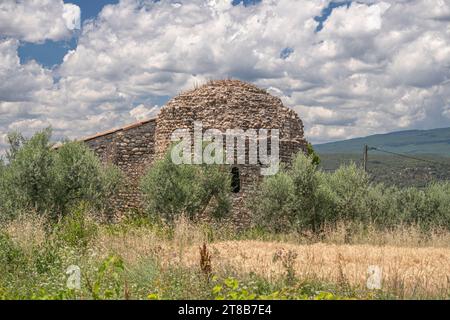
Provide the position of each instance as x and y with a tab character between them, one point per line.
410	157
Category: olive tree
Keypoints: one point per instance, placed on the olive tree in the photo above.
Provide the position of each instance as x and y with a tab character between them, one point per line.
39	177
173	189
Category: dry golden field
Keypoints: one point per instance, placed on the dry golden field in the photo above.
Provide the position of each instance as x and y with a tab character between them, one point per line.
406	271
414	264
411	266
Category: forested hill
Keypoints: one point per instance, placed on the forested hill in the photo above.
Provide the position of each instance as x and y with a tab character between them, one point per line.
435	141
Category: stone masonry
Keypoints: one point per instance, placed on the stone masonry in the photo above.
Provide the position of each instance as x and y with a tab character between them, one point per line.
222	105
131	149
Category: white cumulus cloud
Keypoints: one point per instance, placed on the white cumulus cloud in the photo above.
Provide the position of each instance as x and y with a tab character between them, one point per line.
71	15
376	66
38	20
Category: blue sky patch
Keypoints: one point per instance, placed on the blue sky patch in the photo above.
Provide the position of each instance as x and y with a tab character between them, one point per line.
326	12
91	8
286	52
51	53
48	54
246	3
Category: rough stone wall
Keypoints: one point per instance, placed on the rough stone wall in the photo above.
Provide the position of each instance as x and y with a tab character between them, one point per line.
229	104
132	150
223	104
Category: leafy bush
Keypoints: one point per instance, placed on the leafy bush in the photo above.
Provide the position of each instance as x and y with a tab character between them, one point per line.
383	206
80	176
347	189
27	179
170	190
232	289
427	208
438	198
273	207
76	229
312	154
46	180
291	199
107	282
11	257
301	197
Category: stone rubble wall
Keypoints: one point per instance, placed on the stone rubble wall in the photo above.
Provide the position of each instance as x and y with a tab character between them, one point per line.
132	150
229	104
222	105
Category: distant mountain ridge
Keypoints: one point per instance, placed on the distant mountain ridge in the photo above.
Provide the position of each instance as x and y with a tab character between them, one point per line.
434	141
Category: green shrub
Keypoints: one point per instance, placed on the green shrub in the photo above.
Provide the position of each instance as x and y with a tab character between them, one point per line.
46	258
438	199
274	206
2	166
291	199
27	180
355	199
40	178
383	206
170	190
80	176
426	208
12	258
301	197
232	289
315	159
107	282
76	229
310	200
347	188
3	195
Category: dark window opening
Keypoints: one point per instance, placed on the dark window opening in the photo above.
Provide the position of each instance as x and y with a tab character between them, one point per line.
235	180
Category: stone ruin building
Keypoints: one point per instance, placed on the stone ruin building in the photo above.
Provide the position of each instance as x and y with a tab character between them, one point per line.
221	104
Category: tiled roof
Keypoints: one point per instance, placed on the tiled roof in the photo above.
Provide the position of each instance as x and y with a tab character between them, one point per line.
127	127
104	133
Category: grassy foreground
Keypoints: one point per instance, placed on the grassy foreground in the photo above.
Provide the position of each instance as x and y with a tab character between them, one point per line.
136	259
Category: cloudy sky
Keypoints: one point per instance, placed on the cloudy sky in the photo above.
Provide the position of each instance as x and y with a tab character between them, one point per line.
349	68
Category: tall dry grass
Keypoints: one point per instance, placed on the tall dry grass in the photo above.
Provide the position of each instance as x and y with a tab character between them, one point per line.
363	234
27	230
407	272
414	263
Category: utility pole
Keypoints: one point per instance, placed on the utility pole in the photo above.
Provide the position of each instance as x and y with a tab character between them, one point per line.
365	155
